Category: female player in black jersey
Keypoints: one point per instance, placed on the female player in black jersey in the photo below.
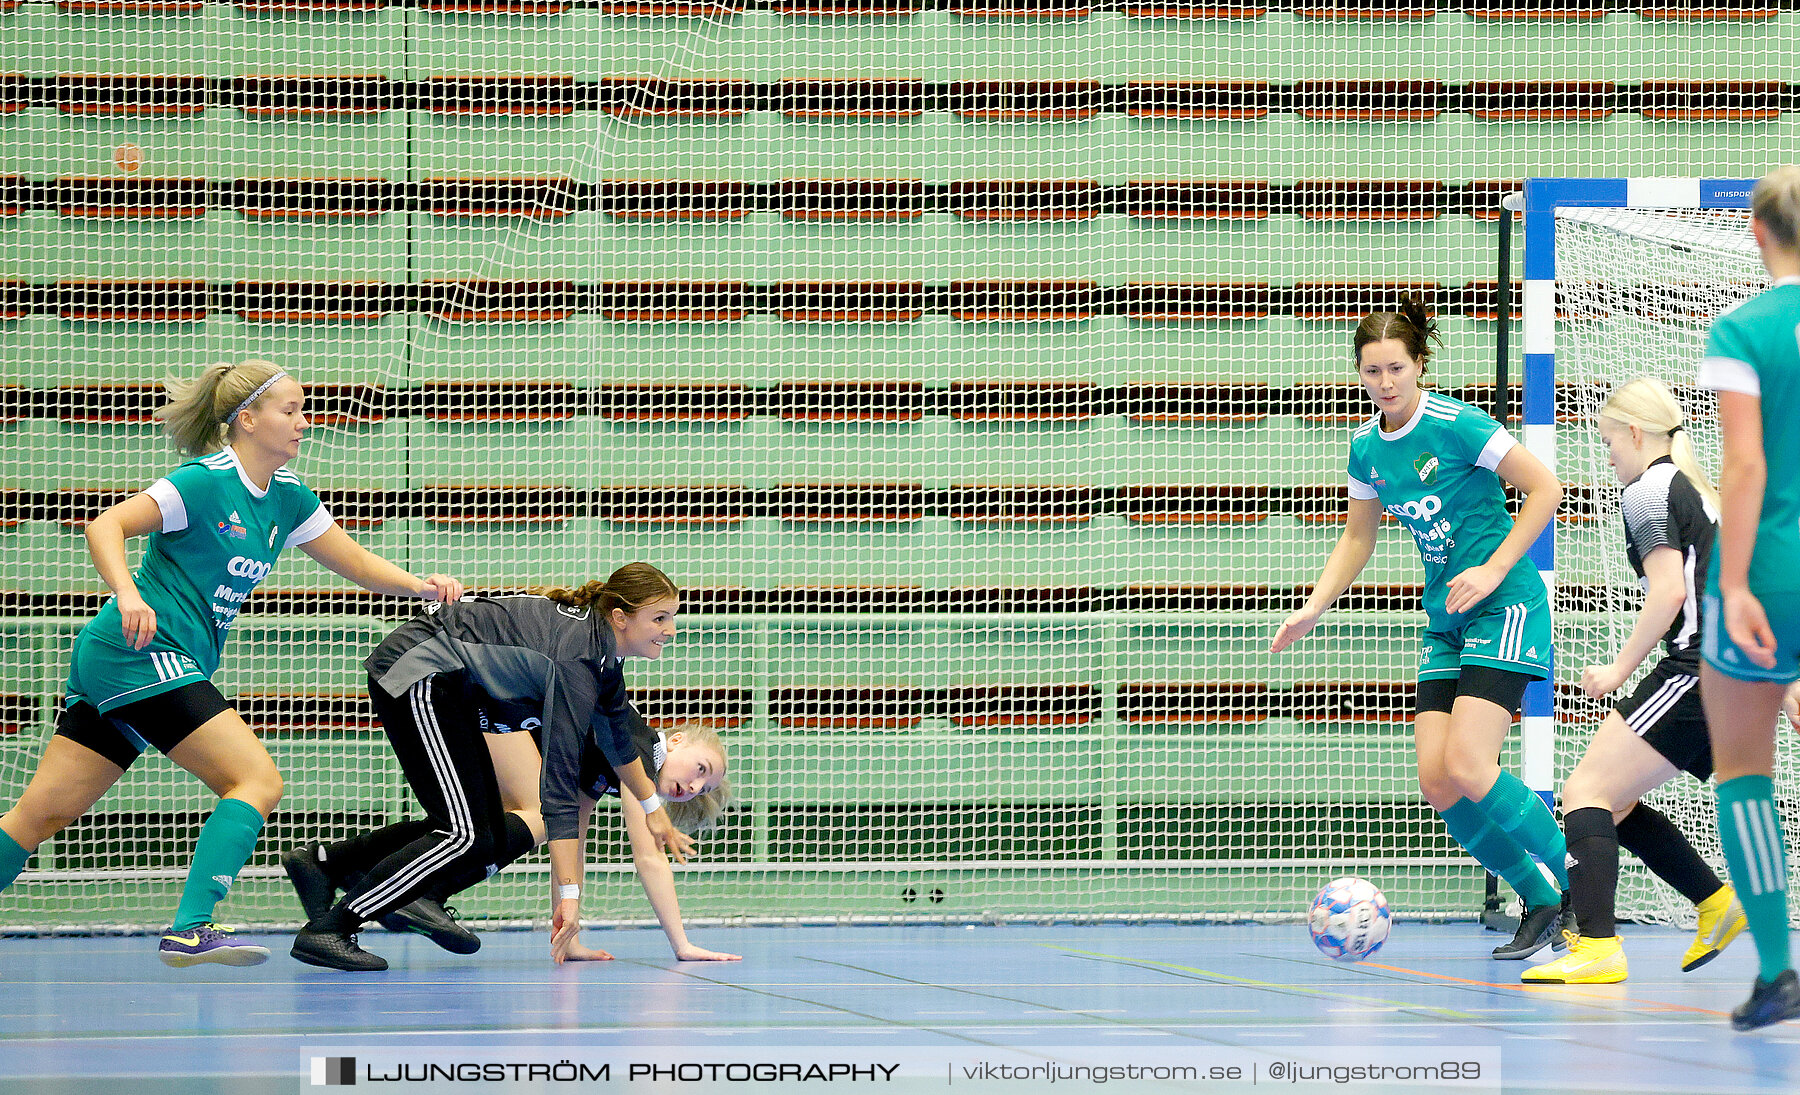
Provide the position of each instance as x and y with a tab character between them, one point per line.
141	670
1671	515
547	662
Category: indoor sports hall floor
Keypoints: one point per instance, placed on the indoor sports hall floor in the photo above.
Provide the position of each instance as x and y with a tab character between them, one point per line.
76	1012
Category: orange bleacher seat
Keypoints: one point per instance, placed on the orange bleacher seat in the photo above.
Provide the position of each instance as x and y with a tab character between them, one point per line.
1022	704
1022	401
659	199
151	301
1026	100
848	708
846	8
1481	199
1365	9
1181	301
307	712
1199	598
673	301
1026	200
865	100
1536	9
634	97
1022	9
1541	100
672	8
282	97
1319	505
1351	701
528	96
497	7
312	5
1330	403
130	7
131	96
311	199
316	301
1192	9
1022	301
15	92
488	301
542	197
130	197
16	297
851	199
1213	505
1709	9
1196	100
1012	504
850	401
1210	200
1225	701
1410	200
1367	100
1167	403
1712	100
1330	301
850	301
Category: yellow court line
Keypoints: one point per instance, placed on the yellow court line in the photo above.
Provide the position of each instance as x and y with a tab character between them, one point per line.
1649	1005
1248	982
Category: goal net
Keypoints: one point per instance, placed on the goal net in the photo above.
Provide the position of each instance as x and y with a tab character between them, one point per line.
1637	290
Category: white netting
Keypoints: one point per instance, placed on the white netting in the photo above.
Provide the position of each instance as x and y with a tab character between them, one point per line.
1637	290
980	369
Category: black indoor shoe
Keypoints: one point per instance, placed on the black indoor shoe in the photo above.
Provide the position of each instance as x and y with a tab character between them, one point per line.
1770	1002
428	918
335	951
1538	928
311	883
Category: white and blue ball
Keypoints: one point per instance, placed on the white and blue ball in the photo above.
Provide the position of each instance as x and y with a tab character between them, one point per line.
1349	919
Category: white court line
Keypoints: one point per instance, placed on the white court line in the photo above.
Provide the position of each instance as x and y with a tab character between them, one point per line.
949	1013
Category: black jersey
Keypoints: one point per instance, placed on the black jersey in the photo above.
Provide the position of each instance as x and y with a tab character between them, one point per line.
1662	508
597	776
540	666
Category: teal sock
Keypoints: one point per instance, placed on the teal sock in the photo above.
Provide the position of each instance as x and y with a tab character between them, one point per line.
1495	849
1750	830
1518	809
12	859
225	844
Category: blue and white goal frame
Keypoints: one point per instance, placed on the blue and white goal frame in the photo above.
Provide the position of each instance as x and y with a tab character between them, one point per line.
1542	198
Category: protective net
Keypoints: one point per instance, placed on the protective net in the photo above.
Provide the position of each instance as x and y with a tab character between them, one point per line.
981	371
1637	290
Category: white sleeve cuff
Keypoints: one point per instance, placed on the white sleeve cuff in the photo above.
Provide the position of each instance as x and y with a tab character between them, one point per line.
1728	374
310	529
1360	490
168	499
1496	449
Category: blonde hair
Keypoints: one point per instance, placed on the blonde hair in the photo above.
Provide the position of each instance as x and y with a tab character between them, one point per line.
630	587
196	414
1775	203
701	812
1648	404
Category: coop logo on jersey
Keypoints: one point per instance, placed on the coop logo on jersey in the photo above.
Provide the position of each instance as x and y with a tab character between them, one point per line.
1419	509
234	527
242	567
1427	467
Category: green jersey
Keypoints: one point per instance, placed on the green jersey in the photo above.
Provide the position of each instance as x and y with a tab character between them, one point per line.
1436	476
220	535
1755	349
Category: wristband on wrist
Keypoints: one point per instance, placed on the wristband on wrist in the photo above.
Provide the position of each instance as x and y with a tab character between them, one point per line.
569	891
652	804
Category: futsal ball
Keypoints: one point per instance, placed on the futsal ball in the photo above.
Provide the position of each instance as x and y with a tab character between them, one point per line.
1349	919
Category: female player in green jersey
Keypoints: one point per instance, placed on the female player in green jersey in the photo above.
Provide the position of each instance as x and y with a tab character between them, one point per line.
1437	465
1750	651
141	671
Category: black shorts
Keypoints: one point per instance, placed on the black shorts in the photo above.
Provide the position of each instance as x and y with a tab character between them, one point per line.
164	720
1664	709
1501	687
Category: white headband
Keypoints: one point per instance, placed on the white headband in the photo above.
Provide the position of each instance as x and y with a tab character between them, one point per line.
254	396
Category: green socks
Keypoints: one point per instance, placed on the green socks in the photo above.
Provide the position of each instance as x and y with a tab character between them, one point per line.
1750	830
12	859
225	844
1495	849
1518	809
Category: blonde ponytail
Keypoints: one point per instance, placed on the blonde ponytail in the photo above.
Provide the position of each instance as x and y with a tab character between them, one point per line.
1648	404
196	415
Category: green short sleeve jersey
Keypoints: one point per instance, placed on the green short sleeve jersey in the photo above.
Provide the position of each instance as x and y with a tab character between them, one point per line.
1436	476
1755	349
219	537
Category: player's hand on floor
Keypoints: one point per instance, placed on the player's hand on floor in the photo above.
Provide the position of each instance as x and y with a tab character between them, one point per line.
690	953
576	951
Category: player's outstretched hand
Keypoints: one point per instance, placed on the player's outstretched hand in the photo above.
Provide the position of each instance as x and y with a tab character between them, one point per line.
1599	680
1748	626
690	953
139	620
1471	587
442	588
565	922
667	836
1292	630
